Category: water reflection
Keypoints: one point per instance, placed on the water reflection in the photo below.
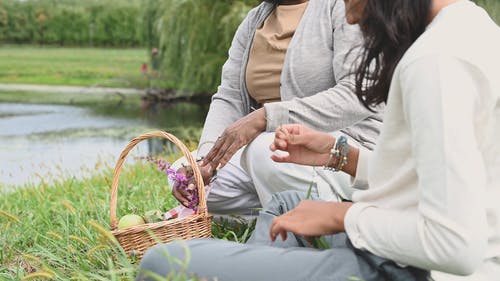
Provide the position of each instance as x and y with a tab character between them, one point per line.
47	142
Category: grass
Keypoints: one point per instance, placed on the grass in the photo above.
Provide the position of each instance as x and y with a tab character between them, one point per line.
60	231
72	66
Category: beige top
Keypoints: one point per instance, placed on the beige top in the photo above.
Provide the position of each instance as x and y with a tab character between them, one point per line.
268	52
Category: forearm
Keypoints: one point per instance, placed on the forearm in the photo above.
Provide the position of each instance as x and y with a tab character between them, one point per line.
330	110
432	241
227	104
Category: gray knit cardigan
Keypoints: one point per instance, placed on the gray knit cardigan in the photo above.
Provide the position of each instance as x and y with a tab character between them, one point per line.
316	86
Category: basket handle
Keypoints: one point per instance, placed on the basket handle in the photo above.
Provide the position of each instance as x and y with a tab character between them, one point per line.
202	208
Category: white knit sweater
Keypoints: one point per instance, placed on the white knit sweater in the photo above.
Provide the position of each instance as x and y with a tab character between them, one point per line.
434	177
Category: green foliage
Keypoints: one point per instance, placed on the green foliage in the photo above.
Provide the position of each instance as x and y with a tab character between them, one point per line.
60	231
109	67
72	22
492	7
195	35
194	38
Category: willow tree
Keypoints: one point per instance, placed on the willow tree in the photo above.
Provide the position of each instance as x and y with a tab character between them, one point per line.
194	36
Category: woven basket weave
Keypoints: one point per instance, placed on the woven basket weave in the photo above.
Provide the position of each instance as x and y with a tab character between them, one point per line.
137	239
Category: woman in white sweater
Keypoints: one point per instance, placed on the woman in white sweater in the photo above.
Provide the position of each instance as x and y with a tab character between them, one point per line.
434	191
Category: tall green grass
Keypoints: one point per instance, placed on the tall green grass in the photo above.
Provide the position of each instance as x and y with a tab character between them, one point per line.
60	231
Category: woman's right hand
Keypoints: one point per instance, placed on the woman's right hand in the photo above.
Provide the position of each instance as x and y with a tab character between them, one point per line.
304	145
183	196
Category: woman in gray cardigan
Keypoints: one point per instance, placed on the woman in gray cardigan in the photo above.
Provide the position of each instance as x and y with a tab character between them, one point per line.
289	62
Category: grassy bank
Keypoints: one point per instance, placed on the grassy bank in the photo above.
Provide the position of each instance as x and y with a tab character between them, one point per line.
60	231
85	99
72	66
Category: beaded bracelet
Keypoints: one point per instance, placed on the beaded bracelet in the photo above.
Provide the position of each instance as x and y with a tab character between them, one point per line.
333	154
338	152
343	148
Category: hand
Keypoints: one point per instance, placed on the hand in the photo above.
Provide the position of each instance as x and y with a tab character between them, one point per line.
311	219
183	196
235	137
304	145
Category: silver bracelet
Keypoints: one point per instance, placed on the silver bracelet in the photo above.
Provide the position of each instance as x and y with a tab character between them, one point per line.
338	152
343	148
333	154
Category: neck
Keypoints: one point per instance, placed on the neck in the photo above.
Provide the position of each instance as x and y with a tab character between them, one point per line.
437	6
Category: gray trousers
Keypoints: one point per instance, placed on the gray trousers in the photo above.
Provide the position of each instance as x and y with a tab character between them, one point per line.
261	260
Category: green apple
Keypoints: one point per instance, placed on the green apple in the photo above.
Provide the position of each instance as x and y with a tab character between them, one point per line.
153	216
130	220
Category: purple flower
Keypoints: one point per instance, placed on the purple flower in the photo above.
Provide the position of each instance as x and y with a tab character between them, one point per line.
180	180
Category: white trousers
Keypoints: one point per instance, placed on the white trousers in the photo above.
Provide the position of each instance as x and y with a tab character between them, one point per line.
250	178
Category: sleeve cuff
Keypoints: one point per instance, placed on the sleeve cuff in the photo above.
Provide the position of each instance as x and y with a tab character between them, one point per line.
276	115
360	181
351	224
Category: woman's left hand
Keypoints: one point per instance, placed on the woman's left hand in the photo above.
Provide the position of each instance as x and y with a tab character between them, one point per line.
235	137
311	219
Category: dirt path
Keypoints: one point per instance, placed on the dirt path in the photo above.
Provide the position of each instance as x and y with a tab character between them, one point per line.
68	89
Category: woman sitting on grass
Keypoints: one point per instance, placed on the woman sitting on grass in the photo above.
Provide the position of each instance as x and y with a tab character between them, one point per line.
432	202
289	62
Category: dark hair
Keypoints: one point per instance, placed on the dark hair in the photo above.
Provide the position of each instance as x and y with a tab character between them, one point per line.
275	2
389	28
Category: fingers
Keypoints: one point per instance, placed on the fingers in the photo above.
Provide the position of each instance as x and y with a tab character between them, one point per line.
288	135
279	144
213	152
277	229
181	195
218	152
281	158
225	147
280	139
227	155
206	173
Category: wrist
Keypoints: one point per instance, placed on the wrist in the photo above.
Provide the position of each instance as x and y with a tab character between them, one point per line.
341	209
261	119
330	143
339	155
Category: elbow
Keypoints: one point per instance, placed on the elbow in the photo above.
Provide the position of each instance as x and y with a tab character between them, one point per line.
462	257
467	259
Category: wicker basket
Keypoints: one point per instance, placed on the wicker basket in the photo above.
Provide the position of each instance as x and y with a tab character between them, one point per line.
137	239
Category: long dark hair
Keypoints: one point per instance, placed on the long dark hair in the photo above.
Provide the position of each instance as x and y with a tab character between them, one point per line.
389	29
275	2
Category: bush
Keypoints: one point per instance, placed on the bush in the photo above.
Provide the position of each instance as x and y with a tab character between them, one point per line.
72	22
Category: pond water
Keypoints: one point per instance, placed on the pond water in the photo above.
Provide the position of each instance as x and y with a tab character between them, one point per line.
48	142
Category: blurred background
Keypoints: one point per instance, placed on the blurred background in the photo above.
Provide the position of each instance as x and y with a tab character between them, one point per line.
78	78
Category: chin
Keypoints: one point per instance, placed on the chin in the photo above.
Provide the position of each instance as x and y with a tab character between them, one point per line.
351	19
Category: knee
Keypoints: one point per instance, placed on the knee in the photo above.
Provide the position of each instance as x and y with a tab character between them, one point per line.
257	153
